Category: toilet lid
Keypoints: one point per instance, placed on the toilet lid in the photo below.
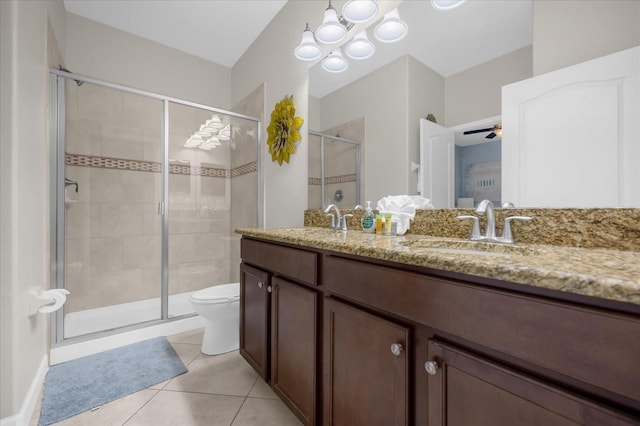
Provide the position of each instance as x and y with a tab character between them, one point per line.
219	292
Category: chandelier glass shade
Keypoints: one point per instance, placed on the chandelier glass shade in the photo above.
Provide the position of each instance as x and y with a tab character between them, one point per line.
331	30
308	49
335	62
391	29
358	11
360	47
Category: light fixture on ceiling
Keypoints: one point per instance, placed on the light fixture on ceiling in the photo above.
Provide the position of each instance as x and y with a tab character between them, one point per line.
391	29
335	62
334	29
308	49
446	4
331	30
360	47
359	11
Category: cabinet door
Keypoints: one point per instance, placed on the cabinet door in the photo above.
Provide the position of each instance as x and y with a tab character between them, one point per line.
465	389
365	368
254	318
293	347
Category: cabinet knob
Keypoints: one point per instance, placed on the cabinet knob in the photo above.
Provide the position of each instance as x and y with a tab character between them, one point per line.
269	289
431	367
396	349
260	284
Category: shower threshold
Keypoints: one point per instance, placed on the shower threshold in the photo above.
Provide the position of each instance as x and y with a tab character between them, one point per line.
124	314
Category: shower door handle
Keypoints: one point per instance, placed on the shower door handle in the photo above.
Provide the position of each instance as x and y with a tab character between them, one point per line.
161	208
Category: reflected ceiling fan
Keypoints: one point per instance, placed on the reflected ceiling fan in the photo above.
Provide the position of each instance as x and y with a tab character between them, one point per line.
496	130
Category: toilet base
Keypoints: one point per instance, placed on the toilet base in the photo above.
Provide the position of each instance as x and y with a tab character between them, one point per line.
220	337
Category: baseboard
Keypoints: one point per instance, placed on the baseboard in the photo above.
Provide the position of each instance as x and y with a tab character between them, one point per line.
31	399
78	350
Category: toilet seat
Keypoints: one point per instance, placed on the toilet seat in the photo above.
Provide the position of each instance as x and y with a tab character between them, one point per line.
217	294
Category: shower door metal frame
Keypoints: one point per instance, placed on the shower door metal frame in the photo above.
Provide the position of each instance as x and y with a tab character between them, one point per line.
322	137
57	131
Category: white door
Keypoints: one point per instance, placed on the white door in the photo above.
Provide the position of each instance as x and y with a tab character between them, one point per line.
437	155
571	137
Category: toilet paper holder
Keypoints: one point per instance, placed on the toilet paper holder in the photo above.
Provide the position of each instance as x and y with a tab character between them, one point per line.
46	301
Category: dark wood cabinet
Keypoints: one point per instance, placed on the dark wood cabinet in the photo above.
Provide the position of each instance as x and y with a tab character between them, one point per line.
255	325
345	341
278	322
293	347
467	389
366	374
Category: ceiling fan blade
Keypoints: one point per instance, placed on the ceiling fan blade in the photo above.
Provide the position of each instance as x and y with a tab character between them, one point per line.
491	135
470	132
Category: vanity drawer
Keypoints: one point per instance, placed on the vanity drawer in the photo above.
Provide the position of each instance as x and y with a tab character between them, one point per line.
299	265
593	346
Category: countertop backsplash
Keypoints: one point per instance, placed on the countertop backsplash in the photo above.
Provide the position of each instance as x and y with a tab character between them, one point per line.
601	228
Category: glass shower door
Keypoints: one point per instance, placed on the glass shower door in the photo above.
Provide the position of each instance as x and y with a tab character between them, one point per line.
210	153
113	148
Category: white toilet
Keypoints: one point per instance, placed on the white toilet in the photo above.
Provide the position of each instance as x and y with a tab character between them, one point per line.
219	306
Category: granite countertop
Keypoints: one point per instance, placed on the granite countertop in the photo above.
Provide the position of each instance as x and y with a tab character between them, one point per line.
607	274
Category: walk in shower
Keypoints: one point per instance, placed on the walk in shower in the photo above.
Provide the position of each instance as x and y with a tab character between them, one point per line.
334	171
146	193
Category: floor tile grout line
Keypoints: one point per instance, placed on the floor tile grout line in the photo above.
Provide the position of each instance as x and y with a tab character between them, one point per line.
141	407
244	401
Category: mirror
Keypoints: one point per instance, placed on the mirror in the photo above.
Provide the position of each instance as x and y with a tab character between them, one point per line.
434	57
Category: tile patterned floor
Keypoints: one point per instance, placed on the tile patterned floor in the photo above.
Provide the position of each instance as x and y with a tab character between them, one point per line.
221	390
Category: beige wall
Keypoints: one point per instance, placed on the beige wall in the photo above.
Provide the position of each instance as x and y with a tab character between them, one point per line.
567	32
405	91
96	50
385	112
24	217
426	95
284	187
476	93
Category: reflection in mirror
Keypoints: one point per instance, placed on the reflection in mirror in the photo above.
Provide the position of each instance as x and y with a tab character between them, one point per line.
456	76
334	172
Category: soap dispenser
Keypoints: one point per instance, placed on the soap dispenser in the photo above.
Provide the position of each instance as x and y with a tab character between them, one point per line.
368	220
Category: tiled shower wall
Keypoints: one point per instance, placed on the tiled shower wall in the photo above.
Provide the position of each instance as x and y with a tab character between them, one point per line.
113	230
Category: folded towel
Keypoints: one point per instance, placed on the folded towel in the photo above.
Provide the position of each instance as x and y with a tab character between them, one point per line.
402	208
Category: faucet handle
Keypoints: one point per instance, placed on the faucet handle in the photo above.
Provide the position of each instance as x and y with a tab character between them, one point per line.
333	220
344	221
507	234
475	231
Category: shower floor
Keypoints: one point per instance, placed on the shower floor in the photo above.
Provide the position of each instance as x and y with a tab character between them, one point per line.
116	316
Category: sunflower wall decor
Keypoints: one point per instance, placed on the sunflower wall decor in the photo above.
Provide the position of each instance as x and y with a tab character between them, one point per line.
283	130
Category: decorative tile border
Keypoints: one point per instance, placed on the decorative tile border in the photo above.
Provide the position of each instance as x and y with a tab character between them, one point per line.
245	169
333	179
156	167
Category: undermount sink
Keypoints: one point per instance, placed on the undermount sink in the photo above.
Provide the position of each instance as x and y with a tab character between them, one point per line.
470	247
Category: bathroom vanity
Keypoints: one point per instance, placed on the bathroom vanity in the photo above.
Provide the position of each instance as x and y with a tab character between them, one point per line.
356	329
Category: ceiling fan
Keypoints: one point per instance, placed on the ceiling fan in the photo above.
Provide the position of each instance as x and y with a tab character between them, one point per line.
496	130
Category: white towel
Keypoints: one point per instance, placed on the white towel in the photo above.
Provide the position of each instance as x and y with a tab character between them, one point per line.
402	208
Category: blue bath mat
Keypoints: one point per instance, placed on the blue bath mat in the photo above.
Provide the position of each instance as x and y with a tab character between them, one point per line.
85	383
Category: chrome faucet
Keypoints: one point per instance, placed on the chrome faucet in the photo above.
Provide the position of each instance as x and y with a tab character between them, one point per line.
486	207
336	221
343	226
